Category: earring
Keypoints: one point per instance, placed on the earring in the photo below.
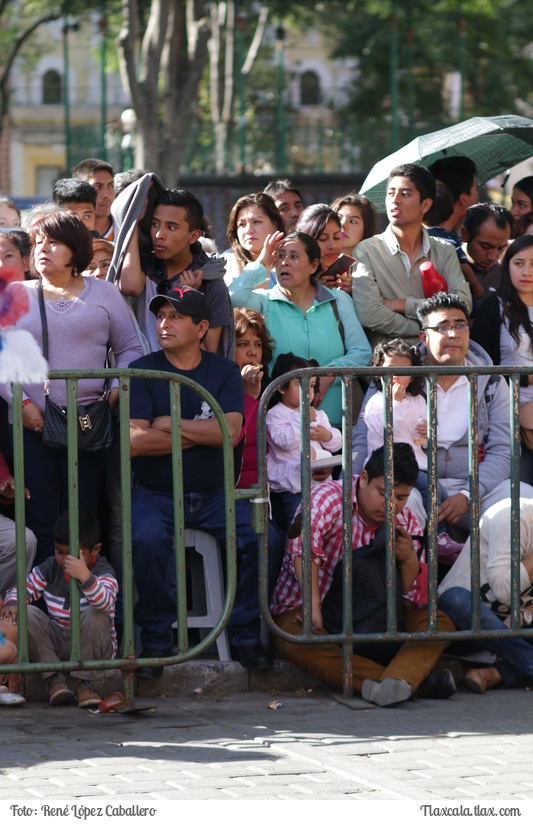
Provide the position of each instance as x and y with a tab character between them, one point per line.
75	272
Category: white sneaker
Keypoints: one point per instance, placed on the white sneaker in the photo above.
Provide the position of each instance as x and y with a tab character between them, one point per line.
10	698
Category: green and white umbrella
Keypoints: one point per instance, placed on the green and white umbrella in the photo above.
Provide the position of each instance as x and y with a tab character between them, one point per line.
495	144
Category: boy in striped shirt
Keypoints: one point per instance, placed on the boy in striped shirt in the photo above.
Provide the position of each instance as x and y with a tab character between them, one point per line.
49	635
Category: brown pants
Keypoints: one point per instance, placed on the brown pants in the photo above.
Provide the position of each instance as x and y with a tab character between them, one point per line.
48	642
413	662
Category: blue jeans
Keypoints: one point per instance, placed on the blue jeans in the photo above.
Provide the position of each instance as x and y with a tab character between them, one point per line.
154	567
516	654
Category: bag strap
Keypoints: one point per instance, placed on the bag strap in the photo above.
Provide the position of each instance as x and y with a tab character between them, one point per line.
44	322
339	321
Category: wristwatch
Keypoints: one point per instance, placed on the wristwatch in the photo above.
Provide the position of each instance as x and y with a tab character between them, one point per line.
528	617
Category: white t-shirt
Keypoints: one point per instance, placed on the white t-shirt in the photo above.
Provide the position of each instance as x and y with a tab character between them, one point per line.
406	415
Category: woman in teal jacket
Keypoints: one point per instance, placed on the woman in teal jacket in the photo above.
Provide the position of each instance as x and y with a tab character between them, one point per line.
302	315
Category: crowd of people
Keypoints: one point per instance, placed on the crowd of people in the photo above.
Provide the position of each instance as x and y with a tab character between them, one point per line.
118	270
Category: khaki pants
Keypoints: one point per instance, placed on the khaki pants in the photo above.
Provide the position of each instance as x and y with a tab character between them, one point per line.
48	642
412	663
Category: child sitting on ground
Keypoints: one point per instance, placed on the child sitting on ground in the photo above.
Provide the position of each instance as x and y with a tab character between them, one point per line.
49	635
284	439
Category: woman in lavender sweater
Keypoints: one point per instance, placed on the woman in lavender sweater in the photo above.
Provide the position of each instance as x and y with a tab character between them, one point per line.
85	317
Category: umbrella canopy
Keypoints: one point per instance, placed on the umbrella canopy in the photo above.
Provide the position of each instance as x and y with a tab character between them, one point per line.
495	144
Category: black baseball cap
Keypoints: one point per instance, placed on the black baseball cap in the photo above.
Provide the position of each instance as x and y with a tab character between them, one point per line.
185	300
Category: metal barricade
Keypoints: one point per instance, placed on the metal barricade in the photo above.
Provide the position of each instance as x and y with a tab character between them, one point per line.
431	374
127	663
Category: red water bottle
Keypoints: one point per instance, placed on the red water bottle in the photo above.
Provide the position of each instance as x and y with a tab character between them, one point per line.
432	281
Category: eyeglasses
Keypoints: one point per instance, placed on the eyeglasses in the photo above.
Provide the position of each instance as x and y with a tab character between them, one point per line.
446	328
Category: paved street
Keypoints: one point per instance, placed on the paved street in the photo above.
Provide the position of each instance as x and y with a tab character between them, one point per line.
313	747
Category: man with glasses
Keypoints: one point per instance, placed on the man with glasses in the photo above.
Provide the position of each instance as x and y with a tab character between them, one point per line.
445	341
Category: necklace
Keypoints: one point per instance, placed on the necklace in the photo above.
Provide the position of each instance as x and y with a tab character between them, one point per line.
62	293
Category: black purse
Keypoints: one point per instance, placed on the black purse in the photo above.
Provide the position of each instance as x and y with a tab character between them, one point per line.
95	419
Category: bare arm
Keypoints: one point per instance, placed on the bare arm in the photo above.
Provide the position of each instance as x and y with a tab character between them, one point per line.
204	432
212	339
132	279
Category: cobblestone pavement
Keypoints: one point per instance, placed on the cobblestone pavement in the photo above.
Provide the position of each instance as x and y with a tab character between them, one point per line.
313	747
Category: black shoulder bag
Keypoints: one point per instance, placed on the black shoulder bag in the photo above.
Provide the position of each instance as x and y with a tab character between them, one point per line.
95	419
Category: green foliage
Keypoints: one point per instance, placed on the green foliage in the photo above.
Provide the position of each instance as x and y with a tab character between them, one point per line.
497	63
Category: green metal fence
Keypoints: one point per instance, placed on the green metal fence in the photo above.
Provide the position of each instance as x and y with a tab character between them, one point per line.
127	663
347	637
258	495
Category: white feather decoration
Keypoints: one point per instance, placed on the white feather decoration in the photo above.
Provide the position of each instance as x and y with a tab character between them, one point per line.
21	360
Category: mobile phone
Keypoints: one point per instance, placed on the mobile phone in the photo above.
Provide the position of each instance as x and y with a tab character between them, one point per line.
341	265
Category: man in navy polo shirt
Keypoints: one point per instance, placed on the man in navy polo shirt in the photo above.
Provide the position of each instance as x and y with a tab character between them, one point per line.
182	319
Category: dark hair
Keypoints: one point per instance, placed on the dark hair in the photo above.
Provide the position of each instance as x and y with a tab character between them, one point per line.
73	190
521	225
457	173
405	467
315	218
124	179
285	363
310	244
399	347
441	208
438	301
526	186
420	177
515	311
366	207
66	228
185	200
86	168
89	529
248	318
479	213
6	201
276	188
259	200
18	238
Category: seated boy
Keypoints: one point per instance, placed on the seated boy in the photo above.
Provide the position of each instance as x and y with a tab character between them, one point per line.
49	635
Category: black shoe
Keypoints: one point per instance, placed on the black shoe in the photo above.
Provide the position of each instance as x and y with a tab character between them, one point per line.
437	685
153	672
252	656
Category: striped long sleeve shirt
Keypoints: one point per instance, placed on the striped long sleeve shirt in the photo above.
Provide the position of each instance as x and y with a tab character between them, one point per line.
48	581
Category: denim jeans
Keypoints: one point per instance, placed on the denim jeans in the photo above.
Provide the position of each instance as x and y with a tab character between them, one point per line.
154	567
516	654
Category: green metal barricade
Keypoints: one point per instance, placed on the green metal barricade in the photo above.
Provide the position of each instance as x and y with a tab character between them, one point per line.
431	374
127	663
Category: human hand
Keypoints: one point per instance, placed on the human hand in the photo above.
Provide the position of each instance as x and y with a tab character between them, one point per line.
252	376
10	614
316	615
328	280
321	474
270	246
320	394
453	508
77	568
32	417
320	433
344	282
404	547
192	279
163	422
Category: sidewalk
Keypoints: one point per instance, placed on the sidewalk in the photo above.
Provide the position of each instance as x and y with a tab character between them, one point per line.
228	744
